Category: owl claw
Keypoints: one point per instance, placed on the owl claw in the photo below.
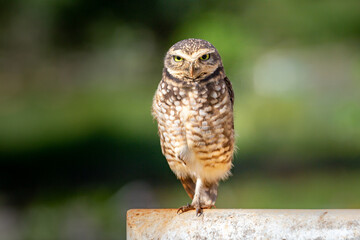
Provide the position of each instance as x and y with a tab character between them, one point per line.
199	211
184	209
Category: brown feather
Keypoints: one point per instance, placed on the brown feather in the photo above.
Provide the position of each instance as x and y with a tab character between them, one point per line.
189	186
230	90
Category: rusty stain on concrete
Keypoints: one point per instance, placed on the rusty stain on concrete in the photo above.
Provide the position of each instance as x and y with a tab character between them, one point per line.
244	224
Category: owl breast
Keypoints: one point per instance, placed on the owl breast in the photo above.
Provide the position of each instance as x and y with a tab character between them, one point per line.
195	125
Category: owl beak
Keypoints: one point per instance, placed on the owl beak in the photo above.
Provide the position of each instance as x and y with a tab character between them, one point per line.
192	70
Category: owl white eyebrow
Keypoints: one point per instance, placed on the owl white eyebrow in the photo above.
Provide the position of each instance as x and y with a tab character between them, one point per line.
192	57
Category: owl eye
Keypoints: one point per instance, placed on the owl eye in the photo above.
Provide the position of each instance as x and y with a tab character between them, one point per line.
178	58
205	57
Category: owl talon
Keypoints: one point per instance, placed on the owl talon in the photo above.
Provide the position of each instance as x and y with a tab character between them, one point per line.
185	208
199	211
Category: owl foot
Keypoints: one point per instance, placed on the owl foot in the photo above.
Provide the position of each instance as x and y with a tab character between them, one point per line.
199	209
185	208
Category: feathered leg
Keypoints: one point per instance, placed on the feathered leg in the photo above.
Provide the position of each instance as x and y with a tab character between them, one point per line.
204	197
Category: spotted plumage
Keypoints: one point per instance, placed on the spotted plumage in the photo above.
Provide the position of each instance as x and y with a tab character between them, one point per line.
193	106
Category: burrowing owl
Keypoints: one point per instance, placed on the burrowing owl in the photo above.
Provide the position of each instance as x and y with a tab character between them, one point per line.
193	106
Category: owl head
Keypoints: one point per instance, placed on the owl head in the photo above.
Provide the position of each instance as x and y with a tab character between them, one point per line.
192	60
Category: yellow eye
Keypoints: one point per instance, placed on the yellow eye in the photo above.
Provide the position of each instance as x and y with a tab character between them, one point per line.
205	57
178	59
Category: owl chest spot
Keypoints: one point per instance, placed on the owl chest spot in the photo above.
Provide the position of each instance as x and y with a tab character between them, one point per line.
193	117
190	108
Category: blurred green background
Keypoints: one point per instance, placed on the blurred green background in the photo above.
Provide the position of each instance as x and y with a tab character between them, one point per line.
78	145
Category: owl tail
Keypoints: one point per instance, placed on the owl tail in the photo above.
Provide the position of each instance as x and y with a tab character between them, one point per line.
189	186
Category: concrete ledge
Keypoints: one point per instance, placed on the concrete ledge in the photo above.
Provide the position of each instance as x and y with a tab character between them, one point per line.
244	224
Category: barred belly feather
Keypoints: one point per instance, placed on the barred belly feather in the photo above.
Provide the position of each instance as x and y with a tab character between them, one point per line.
196	127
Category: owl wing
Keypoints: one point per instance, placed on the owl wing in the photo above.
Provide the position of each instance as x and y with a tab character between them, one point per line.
230	90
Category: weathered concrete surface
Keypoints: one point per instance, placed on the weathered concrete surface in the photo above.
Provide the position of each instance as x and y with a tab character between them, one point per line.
244	224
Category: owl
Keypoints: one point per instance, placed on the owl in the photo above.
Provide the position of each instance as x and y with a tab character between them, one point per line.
193	107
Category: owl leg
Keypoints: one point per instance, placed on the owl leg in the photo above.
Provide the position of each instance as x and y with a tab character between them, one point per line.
190	188
205	197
